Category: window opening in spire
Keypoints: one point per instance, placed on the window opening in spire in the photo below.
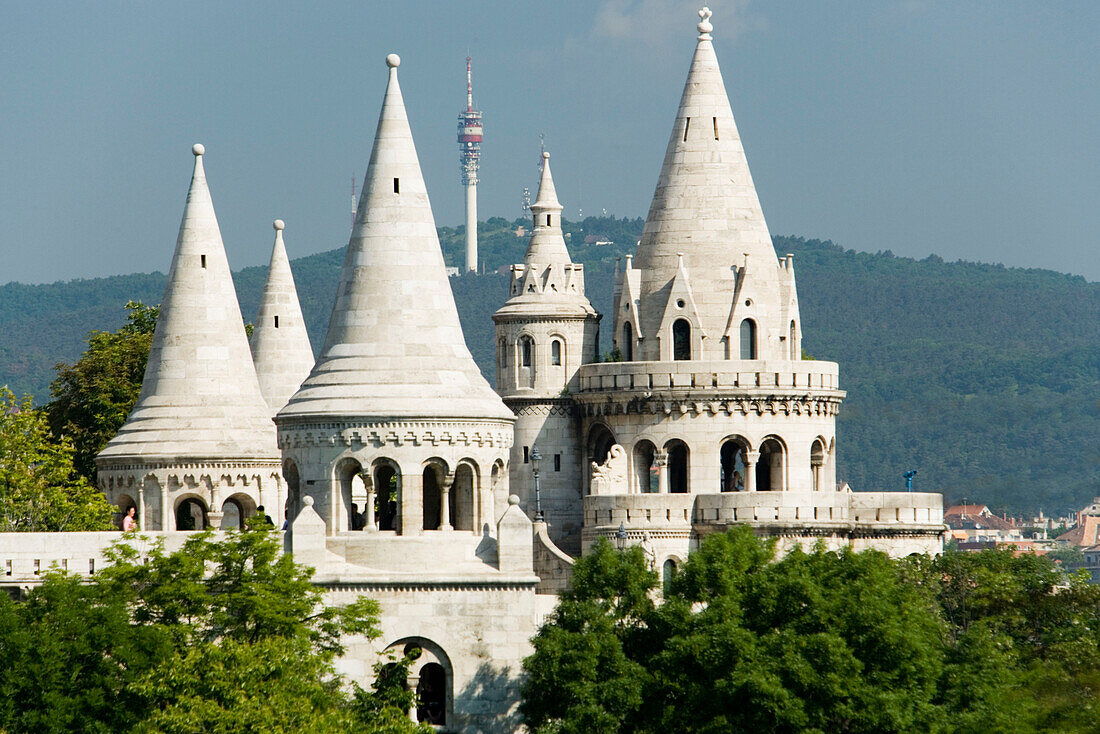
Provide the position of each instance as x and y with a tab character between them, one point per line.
794	349
681	339
202	261
748	339
557	462
555	352
715	119
627	348
276	322
526	454
547	220
687	124
397	186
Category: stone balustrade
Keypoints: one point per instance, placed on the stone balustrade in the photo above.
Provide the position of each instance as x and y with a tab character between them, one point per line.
25	557
719	375
604	513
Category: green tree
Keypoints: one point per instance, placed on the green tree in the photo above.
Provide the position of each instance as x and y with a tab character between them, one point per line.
93	396
39	489
222	635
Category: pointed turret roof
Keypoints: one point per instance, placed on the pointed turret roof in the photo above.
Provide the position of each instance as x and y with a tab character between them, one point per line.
395	346
547	246
548	283
280	344
705	204
200	399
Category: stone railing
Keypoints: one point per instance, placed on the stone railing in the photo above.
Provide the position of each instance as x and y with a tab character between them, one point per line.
25	557
717	375
684	511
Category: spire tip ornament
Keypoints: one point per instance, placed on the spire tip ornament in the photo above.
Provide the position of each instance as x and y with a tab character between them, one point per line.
704	24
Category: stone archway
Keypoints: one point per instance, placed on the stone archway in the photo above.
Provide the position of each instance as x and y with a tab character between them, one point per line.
734	464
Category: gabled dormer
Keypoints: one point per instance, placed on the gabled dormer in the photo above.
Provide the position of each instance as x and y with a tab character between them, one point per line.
681	334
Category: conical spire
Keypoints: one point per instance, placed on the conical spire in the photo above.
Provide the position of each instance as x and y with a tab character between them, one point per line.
280	343
394	346
547	246
705	205
200	398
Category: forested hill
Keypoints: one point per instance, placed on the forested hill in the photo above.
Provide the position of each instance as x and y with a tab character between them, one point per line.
983	378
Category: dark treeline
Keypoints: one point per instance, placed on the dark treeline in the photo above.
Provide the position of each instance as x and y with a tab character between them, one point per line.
983	378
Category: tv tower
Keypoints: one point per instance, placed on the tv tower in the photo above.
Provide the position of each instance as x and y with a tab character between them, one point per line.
469	155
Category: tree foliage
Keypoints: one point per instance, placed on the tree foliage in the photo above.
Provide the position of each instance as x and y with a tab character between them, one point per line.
817	642
222	635
39	489
93	396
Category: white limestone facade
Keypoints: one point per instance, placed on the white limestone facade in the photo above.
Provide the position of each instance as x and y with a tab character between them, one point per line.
199	448
544	333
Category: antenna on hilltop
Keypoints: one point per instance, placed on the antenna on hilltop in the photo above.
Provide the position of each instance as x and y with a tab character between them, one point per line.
354	204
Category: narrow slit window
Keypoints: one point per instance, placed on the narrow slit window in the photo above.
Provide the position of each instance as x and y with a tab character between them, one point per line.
557	462
397	186
687	124
547	220
276	322
526	454
715	119
202	261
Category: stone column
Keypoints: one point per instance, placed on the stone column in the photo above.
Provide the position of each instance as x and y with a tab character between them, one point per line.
660	460
815	470
165	508
368	511
410	517
751	458
445	501
141	507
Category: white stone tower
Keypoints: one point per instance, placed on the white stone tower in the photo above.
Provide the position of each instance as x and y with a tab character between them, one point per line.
396	402
280	344
470	134
199	445
544	332
395	389
713	417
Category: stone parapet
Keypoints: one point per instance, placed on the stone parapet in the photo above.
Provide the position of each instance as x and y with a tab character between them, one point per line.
852	516
747	376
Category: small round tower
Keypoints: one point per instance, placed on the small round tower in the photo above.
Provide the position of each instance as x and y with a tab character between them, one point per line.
544	332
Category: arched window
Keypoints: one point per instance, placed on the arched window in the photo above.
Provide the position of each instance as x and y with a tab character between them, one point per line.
794	342
191	515
668	570
385	495
769	467
526	351
627	347
817	460
432	499
431	695
555	352
748	339
645	467
293	491
681	339
461	498
502	355
677	466
733	456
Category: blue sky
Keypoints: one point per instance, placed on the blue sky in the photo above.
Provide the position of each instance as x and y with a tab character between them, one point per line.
964	129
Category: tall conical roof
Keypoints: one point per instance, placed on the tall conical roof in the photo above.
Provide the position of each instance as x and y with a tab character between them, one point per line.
705	205
394	346
547	246
280	344
200	399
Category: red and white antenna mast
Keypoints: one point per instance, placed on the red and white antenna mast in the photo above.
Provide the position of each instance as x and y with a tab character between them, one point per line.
469	155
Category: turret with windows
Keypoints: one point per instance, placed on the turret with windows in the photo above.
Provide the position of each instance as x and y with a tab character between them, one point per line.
545	331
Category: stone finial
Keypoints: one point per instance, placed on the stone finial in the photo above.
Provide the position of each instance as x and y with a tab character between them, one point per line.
513	499
198	149
279	225
393	61
704	24
307	501
546	155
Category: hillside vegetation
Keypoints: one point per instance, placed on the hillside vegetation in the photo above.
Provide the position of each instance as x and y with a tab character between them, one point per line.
983	378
